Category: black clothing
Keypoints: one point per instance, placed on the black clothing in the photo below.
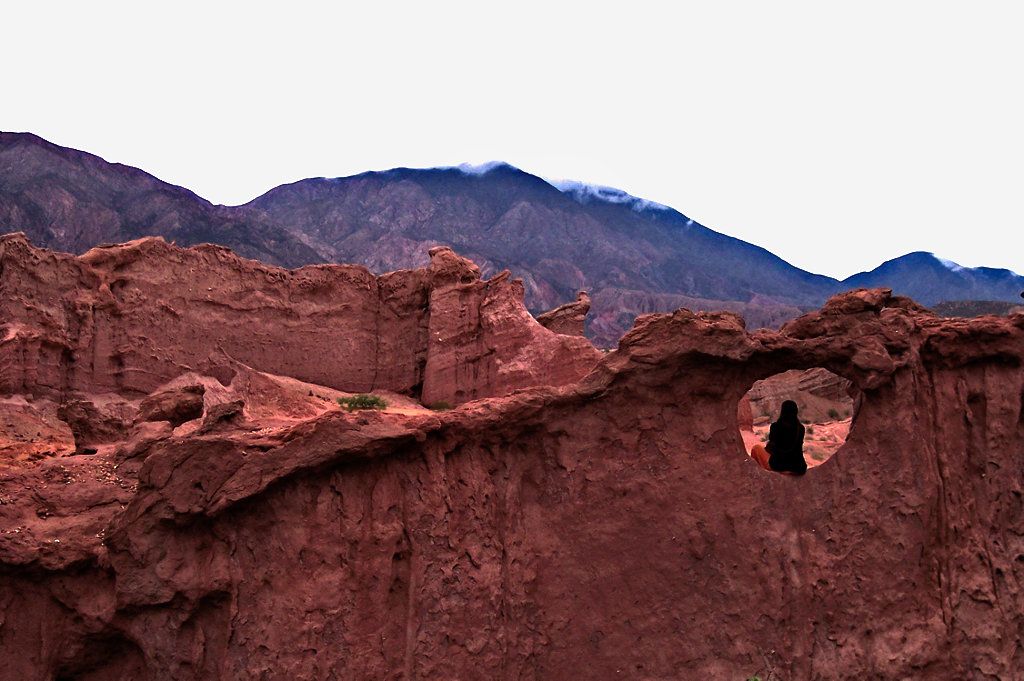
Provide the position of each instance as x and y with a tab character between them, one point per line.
786	445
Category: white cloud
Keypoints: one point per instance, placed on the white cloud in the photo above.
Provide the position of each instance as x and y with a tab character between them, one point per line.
480	169
949	264
584	193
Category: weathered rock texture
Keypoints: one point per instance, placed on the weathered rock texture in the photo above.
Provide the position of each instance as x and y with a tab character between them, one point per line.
568	319
608	528
129	318
819	393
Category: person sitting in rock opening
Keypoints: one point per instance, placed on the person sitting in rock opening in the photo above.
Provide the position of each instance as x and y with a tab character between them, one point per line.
785	450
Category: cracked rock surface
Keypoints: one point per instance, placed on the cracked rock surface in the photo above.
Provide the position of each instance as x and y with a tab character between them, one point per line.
576	515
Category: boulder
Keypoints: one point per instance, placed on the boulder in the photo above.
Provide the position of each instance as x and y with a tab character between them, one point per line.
177	405
569	319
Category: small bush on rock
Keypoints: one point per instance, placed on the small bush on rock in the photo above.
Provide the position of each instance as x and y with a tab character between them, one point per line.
439	406
362	401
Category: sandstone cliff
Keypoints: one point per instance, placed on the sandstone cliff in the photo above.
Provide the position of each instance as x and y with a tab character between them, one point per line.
128	318
606	527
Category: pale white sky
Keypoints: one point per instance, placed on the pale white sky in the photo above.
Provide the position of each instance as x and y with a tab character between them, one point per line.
837	135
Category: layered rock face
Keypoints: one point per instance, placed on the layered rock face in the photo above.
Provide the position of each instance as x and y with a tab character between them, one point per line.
820	394
126	319
608	527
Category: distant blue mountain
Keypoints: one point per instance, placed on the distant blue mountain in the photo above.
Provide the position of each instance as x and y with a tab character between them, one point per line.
929	280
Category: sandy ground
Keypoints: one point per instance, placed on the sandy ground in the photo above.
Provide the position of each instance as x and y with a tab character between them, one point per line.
31	430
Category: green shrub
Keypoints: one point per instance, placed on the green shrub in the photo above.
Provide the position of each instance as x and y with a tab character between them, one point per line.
810	430
439	406
362	401
833	414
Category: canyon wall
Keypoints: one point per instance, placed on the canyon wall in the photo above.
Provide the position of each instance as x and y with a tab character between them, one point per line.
128	318
611	527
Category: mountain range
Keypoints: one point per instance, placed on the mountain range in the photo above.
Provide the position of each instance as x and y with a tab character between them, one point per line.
634	256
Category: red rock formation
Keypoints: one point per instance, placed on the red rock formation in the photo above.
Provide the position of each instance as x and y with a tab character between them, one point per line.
568	319
176	405
129	318
609	528
821	395
483	342
745	414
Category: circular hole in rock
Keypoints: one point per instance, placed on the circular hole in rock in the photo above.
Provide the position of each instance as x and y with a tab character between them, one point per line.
826	404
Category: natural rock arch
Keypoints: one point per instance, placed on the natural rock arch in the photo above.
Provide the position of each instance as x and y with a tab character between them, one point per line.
827	406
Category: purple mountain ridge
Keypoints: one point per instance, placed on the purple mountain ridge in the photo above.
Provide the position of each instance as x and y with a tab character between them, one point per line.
634	256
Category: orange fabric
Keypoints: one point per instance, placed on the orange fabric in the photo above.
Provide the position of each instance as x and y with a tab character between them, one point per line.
760	455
